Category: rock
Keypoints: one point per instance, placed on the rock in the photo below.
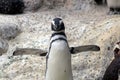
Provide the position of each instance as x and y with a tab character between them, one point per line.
19	6
3	46
9	31
54	3
32	5
11	6
79	4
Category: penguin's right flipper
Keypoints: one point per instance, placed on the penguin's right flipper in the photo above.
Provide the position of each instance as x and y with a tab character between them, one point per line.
75	50
29	51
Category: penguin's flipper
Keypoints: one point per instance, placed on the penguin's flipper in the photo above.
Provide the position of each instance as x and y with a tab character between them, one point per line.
84	48
29	51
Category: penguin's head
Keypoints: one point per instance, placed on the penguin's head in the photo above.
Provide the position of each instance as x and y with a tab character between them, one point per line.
117	50
57	24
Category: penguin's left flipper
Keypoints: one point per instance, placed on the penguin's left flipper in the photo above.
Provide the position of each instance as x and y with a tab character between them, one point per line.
29	51
75	50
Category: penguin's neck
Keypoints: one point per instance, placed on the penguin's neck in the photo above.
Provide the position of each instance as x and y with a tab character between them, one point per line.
58	35
59	31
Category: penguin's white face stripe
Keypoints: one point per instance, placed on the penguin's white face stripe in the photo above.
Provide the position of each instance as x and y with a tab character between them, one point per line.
116	46
56	37
60	22
53	22
55	27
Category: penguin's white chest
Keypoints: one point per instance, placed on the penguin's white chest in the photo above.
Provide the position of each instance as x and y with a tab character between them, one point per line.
59	62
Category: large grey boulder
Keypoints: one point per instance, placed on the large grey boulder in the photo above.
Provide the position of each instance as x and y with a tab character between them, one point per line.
9	31
19	6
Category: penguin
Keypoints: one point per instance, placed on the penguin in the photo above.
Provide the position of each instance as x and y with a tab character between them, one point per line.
112	71
11	6
58	66
114	6
58	57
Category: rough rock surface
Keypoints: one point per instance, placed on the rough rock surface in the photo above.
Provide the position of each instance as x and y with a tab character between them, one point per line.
3	46
9	31
32	5
89	26
19	6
